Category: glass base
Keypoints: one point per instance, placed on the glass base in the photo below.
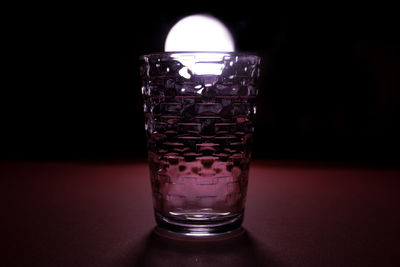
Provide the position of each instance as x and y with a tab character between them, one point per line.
196	225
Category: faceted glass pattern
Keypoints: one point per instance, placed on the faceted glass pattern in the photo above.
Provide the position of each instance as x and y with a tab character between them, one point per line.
199	119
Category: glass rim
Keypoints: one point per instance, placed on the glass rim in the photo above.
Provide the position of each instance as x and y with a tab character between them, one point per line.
161	54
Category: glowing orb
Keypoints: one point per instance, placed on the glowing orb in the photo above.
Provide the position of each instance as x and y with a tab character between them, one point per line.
199	33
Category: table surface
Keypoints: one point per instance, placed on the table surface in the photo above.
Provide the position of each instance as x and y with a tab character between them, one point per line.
297	214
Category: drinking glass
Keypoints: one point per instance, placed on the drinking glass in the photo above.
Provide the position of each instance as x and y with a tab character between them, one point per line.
199	119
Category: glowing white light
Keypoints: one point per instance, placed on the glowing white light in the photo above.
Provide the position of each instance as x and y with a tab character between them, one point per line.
199	33
204	34
184	73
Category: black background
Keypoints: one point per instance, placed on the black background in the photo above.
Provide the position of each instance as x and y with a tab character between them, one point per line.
329	87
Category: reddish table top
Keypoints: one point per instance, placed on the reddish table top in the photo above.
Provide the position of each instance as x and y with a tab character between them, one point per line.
100	214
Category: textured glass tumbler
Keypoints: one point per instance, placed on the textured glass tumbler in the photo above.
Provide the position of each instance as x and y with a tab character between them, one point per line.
199	118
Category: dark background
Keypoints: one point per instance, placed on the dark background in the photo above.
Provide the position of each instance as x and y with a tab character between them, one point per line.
329	87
